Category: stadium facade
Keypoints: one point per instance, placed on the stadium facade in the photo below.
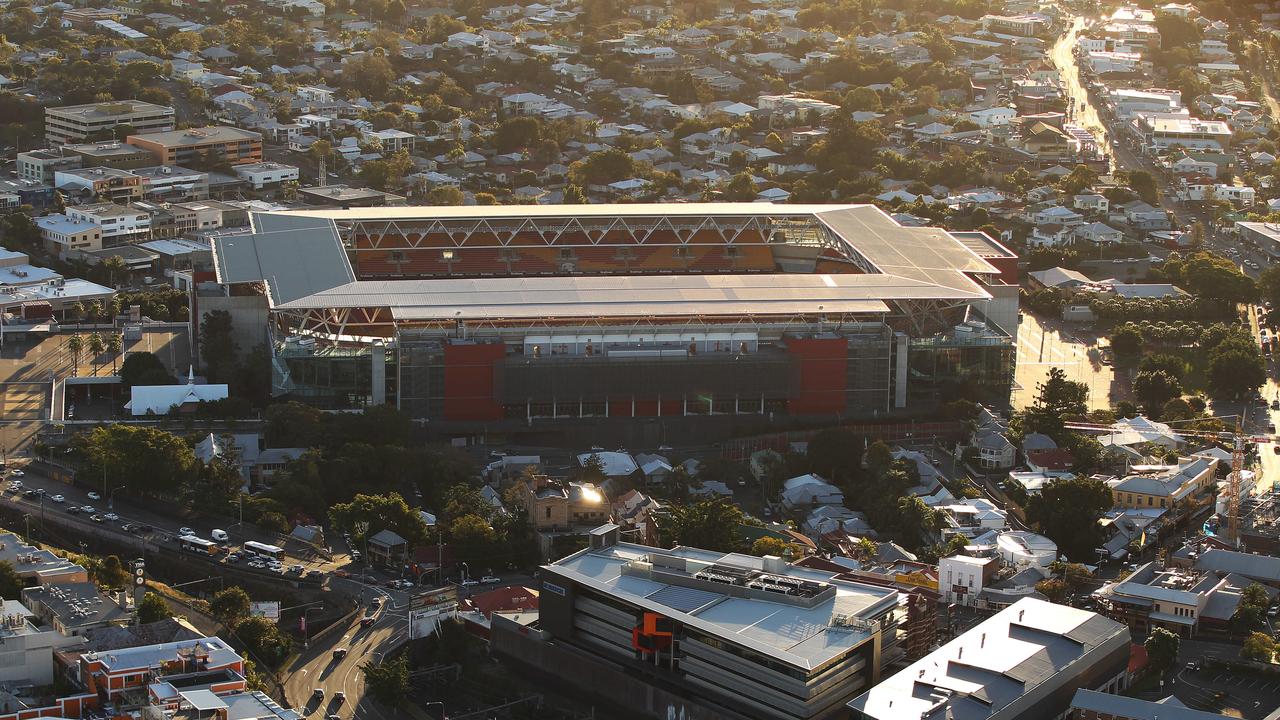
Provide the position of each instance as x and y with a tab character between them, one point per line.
523	316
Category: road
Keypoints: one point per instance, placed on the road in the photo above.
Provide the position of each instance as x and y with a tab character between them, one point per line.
317	668
1062	55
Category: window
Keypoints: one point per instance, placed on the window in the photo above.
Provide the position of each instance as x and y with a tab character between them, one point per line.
548	513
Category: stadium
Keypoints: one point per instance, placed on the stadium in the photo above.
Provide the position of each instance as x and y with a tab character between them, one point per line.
530	316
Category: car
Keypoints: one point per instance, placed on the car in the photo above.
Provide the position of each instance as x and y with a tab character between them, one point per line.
376	601
470	582
295	568
111	517
313	574
18	473
41	491
1192	666
30	494
186	531
318	694
94	496
333	716
339	653
489	580
88	509
127	527
57	498
367	621
74	509
406	584
233	557
339	697
15	483
257	564
1275	404
97	518
1275	610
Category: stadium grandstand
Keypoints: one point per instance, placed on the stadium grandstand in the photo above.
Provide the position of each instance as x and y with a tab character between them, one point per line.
529	315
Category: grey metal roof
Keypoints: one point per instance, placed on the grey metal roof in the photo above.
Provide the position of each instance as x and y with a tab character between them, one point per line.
641	296
1135	708
294	256
1257	567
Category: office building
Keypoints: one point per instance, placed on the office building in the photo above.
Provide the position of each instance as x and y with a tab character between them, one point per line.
40	165
98	121
201	147
751	637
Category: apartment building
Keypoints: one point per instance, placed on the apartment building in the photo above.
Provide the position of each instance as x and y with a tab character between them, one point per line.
120	225
173	182
214	144
60	234
751	637
109	154
100	184
97	121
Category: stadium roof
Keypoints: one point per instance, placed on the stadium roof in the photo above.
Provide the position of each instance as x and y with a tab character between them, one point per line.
624	296
295	256
299	255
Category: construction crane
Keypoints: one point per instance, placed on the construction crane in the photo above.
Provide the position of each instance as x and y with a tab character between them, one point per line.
1237	437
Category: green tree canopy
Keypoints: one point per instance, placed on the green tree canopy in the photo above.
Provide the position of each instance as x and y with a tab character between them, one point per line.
381	512
835	454
1162	649
1059	399
230	606
1126	341
147	460
218	345
707	524
152	608
1067	510
1258	646
11	583
1156	387
388	681
144	368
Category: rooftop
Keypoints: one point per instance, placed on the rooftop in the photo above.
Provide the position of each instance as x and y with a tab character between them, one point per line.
814	619
216	653
111	109
198	136
995	664
77	604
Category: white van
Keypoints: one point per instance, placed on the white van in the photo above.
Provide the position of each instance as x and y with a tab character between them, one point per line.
219	535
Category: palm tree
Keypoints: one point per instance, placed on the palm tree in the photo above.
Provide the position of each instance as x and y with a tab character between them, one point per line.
78	308
95	310
96	347
114	343
75	344
116	305
114	265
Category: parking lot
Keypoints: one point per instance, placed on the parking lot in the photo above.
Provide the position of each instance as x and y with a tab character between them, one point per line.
1249	696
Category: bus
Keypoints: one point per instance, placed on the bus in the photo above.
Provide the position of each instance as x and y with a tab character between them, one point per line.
262	550
191	543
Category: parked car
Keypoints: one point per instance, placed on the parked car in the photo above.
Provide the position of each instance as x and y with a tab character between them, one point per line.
94	496
18	473
470	582
489	580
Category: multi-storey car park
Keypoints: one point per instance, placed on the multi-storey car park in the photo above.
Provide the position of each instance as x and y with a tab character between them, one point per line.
526	315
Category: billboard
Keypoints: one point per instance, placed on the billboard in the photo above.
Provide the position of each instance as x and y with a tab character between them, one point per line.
269	610
434	599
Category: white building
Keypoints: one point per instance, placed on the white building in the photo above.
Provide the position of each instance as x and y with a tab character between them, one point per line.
961	578
61	233
267	174
120	225
1162	131
165	399
993	116
392	140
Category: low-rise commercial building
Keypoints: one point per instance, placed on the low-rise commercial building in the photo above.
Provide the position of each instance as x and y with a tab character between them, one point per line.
267	174
61	233
99	184
120	225
73	608
1161	131
118	155
202	147
40	165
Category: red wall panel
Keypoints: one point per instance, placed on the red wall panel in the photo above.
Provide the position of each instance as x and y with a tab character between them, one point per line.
672	407
469	381
620	408
823	364
646	408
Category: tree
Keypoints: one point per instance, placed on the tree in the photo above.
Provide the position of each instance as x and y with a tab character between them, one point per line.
218	345
1236	367
144	368
769	545
1058	399
445	195
381	512
230	606
1055	589
294	424
603	167
369	75
1126	341
111	574
1176	31
1067	510
114	342
1172	365
146	460
1141	182
1162	649
1156	387
263	638
75	345
573	195
11	583
862	99
835	454
517	133
1269	284
152	609
96	348
1258	646
388	681
708	524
